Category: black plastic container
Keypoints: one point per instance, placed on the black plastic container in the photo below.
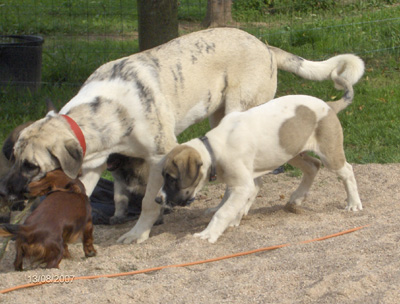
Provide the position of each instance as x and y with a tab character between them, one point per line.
21	61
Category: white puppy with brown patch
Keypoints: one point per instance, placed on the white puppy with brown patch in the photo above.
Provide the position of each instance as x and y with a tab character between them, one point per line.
247	145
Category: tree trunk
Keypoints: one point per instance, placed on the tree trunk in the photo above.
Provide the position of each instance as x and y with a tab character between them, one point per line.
219	13
158	22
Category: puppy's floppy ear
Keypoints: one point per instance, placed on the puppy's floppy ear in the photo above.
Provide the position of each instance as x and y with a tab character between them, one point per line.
70	157
188	164
195	163
55	180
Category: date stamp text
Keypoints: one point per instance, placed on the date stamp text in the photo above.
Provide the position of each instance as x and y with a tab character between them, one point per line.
51	278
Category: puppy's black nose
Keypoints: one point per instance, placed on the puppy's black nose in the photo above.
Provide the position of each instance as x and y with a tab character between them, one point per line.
159	200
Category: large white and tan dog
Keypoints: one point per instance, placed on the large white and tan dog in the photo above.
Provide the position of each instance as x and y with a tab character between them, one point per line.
247	145
138	104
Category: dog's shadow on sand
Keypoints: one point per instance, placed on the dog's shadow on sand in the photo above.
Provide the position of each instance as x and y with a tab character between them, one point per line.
185	221
182	221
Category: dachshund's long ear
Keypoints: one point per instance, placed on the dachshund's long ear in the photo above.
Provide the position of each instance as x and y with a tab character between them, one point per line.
40	187
55	180
73	187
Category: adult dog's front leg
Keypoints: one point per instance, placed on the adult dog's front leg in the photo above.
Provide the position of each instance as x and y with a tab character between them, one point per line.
150	209
90	178
227	214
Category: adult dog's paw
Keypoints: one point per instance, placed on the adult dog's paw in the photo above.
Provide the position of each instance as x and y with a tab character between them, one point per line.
132	236
207	235
115	220
354	207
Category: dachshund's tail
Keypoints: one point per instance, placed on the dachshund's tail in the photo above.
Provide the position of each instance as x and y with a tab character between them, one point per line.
9	229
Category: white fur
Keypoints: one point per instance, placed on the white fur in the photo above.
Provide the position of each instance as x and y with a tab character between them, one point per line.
247	145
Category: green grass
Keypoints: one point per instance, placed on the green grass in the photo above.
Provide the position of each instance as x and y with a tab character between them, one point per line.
51	17
81	35
73	61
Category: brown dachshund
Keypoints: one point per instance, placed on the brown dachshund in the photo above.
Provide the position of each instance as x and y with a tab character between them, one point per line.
62	217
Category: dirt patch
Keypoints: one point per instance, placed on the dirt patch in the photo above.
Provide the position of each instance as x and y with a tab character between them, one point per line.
360	267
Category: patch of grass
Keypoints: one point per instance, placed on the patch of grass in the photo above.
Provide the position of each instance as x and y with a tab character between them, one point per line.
72	61
192	10
50	17
371	123
194	131
319	35
17	107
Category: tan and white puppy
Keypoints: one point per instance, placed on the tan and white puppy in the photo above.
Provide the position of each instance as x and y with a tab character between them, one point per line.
137	105
247	145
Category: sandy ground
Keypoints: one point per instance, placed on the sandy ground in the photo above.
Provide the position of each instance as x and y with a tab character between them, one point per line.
360	267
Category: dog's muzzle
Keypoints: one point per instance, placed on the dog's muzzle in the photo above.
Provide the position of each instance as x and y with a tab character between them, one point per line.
184	203
162	199
13	187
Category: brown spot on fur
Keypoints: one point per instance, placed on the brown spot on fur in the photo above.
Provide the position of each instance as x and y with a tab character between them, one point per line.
329	135
295	131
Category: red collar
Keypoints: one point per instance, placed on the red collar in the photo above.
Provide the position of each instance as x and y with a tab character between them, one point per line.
77	131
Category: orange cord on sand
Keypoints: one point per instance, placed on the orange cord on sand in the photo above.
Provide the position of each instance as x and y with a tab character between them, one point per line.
180	265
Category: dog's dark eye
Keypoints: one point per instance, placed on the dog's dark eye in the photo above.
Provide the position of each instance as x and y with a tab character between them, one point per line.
170	178
171	181
29	166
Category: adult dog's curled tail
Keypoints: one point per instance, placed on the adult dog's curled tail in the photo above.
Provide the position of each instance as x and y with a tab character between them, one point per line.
348	66
348	96
9	229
